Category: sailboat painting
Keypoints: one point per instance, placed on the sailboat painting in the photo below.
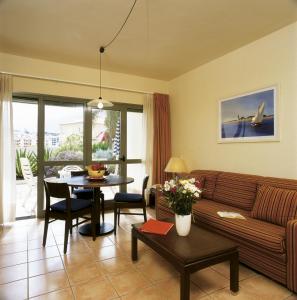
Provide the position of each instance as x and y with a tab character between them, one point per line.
249	118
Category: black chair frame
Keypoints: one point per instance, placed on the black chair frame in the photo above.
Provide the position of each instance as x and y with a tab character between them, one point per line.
61	190
120	205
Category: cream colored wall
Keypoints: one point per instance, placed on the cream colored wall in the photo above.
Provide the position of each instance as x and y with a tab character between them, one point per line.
42	68
194	96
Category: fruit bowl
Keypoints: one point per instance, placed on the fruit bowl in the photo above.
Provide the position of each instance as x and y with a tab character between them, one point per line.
96	171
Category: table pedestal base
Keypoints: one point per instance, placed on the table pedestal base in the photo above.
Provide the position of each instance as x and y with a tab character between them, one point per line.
101	229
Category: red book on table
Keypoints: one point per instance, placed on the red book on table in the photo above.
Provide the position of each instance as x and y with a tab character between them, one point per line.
155	226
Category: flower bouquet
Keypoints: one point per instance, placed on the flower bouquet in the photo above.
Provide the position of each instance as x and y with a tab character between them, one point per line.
181	195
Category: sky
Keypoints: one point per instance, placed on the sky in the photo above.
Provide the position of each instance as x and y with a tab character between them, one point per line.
247	105
25	116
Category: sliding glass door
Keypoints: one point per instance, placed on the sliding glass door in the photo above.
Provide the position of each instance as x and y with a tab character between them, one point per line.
25	120
72	135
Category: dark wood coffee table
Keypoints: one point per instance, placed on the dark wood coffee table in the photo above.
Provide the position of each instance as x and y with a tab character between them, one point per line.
200	249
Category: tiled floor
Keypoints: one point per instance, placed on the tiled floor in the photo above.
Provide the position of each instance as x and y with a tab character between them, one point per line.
103	269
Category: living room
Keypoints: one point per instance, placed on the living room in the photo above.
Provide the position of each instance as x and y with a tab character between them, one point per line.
200	56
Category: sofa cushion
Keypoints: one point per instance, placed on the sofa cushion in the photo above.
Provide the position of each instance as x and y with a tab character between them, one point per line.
210	178
238	190
275	205
259	233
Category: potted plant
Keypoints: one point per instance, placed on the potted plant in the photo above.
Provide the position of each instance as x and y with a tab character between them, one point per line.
181	194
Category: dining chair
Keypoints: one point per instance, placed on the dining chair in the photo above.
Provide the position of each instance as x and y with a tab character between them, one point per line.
31	183
86	193
129	200
66	209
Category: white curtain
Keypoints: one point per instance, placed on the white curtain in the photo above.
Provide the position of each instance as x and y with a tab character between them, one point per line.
7	153
148	129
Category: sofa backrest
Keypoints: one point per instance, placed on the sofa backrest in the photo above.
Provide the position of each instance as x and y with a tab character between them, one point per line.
238	190
210	178
282	183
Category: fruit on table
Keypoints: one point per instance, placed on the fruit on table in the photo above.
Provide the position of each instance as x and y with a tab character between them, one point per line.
96	170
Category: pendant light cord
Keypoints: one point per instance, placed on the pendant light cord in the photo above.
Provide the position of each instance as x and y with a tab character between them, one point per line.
121	28
102	48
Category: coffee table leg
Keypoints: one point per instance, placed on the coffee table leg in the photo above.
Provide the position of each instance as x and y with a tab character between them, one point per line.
234	273
134	247
184	286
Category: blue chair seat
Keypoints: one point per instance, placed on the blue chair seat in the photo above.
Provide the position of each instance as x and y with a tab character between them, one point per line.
76	205
83	193
127	197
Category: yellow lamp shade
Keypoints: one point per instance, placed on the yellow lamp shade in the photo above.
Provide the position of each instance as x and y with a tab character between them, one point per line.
176	165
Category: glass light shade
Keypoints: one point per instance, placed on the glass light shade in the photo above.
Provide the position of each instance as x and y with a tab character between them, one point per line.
176	165
100	103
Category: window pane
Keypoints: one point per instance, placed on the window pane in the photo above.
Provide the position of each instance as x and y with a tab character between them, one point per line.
106	135
134	135
63	135
137	172
25	138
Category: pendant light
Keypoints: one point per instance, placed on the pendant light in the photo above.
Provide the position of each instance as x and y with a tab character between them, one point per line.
99	102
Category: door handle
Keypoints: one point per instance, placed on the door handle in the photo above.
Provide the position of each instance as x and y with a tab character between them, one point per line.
123	158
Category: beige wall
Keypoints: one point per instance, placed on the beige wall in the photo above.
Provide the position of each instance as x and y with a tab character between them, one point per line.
271	60
42	68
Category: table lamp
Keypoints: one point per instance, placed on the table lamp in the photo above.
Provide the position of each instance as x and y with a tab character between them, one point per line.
176	165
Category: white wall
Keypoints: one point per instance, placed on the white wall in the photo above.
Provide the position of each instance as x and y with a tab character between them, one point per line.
194	98
42	68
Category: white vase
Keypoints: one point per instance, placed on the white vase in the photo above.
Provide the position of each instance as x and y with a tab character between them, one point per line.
183	224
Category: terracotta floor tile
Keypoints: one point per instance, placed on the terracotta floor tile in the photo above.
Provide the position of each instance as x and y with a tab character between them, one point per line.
99	242
156	271
75	248
95	289
292	297
224	269
83	273
209	280
13	259
78	259
16	290
46	283
37	243
116	265
170	289
13	247
44	266
13	273
150	293
57	295
128	281
263	288
43	253
108	252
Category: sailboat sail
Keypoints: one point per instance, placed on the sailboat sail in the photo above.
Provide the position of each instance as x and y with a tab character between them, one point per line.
258	118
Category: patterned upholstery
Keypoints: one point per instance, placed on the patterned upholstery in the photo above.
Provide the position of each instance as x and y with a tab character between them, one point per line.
291	234
210	178
269	248
237	190
262	234
275	205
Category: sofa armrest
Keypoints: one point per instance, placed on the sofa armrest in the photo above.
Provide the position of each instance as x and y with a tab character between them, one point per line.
291	241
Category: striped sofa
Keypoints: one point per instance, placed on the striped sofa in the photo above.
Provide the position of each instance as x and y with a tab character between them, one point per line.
267	238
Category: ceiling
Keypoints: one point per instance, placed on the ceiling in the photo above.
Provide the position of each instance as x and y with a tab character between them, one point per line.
162	39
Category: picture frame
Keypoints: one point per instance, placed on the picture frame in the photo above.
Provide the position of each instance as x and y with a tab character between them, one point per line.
249	117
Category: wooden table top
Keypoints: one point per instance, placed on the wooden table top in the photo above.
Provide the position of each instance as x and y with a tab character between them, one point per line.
198	245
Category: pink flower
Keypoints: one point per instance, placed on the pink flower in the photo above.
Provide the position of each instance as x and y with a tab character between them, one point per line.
198	184
173	190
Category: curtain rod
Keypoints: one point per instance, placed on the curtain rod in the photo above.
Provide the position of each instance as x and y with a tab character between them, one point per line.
74	82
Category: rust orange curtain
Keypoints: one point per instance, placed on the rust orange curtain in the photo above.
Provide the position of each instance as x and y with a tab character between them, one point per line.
162	137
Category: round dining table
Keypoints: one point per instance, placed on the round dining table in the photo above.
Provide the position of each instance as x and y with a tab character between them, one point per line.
102	228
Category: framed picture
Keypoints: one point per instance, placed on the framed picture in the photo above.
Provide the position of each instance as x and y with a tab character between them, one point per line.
250	117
